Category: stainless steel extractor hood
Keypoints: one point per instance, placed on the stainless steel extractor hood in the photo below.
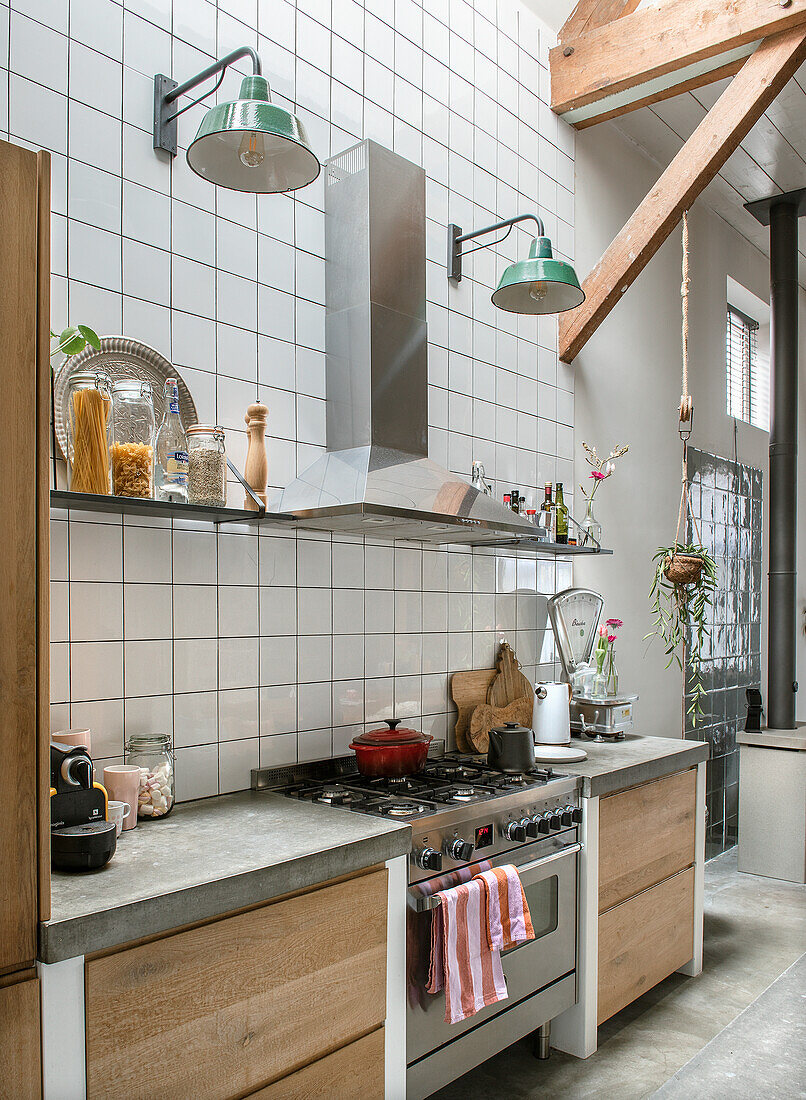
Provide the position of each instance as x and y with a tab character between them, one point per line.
376	477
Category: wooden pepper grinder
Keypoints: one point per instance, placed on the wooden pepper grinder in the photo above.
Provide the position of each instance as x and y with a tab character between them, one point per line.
256	469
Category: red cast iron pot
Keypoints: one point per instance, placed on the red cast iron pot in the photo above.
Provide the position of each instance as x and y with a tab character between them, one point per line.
391	752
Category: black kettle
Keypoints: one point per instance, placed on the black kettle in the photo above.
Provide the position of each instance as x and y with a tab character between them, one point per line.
511	748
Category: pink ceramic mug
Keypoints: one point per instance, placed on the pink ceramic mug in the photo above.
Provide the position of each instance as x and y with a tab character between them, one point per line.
122	782
73	737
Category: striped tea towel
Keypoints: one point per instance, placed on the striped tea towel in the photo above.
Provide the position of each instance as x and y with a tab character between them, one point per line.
462	961
508	921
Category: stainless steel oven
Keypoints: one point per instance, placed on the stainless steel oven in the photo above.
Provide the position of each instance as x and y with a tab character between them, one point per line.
540	975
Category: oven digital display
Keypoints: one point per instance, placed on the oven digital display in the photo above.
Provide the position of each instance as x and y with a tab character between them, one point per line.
484	836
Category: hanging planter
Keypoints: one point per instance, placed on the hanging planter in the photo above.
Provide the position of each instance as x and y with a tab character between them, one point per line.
685	573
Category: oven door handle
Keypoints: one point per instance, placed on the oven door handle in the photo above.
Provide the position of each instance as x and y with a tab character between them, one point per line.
425	902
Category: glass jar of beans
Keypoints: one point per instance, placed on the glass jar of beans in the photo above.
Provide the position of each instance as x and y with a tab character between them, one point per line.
154	755
207	466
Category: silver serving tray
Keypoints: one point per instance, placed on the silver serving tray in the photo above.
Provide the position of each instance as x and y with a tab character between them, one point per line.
120	358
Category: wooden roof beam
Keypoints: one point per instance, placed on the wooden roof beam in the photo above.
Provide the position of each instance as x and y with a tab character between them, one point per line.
645	53
719	134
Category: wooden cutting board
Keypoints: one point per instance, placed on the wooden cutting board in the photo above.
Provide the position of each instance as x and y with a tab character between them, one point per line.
468	689
485	718
510	683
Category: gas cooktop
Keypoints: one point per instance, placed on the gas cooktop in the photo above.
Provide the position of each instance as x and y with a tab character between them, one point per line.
449	781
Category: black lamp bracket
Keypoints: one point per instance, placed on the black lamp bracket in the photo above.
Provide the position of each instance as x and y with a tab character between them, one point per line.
167	91
456	239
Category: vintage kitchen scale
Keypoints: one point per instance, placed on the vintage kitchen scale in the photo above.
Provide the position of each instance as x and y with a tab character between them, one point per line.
575	615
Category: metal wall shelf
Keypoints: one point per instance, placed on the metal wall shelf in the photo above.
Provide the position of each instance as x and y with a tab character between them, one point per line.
160	509
134	506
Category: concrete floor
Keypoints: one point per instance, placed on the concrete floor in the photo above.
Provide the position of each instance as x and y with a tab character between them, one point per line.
755	929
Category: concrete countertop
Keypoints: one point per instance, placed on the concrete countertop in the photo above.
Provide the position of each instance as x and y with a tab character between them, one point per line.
207	858
617	764
775	739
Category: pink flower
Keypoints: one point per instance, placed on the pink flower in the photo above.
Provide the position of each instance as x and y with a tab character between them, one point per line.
611	638
602	631
615	623
597	475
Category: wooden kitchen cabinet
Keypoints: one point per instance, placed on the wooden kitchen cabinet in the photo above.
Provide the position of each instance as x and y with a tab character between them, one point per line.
644	940
20	1037
354	1071
646	887
646	834
233	1007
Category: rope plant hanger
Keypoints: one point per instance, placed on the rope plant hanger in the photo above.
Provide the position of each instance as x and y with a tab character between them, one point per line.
685	573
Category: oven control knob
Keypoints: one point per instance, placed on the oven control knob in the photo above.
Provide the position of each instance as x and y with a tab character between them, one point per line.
531	824
544	823
515	831
429	859
459	849
555	821
567	816
576	814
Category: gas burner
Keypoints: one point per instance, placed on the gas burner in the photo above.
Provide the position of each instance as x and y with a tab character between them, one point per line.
403	809
462	793
454	772
335	796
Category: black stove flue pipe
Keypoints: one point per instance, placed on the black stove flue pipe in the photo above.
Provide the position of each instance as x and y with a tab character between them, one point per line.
783	475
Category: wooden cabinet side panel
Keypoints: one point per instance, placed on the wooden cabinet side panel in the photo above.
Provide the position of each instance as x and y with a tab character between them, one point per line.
20	1040
18	550
644	940
226	1008
646	834
43	437
355	1071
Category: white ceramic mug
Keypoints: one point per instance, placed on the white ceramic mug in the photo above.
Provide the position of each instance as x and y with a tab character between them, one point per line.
117	812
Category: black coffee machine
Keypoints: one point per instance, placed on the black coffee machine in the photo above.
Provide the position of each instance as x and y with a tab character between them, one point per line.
81	839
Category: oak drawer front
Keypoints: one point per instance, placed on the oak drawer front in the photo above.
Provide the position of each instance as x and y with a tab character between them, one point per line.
20	1049
222	1010
643	940
356	1071
646	834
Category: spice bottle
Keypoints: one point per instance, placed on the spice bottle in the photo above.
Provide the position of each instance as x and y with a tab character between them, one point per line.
133	439
89	432
207	466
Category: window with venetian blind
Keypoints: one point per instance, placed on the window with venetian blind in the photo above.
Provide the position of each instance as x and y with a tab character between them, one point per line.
748	376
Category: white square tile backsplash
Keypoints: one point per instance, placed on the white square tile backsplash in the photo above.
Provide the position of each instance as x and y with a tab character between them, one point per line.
256	646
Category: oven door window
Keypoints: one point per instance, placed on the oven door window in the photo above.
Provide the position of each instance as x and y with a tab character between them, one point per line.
543	900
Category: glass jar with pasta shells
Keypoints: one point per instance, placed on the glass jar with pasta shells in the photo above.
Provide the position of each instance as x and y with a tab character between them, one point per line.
133	426
89	431
154	755
207	466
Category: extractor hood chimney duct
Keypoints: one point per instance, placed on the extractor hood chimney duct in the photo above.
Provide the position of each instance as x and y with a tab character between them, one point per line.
781	213
376	477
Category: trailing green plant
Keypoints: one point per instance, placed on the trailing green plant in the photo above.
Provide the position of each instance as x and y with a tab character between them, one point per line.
679	611
73	340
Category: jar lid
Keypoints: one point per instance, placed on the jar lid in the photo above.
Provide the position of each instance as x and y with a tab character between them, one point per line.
133	385
204	429
94	376
149	741
393	736
511	727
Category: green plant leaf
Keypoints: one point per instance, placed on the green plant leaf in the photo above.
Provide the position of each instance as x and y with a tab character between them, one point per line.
90	336
71	342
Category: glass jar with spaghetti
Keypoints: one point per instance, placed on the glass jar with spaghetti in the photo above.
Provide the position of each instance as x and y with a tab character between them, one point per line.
133	425
89	432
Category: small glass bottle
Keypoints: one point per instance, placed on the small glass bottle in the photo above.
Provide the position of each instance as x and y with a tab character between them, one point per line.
207	466
561	522
547	513
171	451
133	439
89	432
154	755
515	500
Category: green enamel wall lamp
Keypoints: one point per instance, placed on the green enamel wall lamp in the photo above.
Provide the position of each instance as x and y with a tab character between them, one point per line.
247	144
538	284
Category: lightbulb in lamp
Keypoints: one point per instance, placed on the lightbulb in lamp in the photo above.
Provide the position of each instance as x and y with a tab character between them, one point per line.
538	290
252	151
